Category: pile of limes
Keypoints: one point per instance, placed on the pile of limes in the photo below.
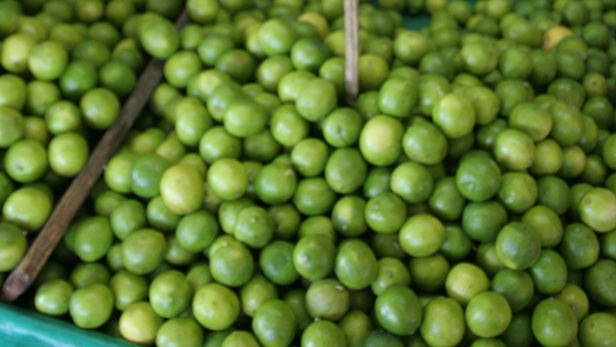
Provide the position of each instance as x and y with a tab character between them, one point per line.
468	197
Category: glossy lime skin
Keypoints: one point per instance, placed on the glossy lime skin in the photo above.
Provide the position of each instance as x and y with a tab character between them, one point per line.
180	331
12	126
316	100
309	157
568	124
91	306
576	298
240	338
177	188
27	207
421	235
276	262
518	246
478	177
13	92
143	251
159	38
514	149
554	323
348	216
342	127
355	264
429	273
446	201
196	231
25	161
170	293
356	325
483	220
127	288
380	140
215	306
313	256
549	272
397	97
385	213
274	323
244	117
275	183
391	272
457	244
345	170
327	299
425	143
465	281
68	154
160	216
88	273
398	310
231	263
546	223
313	196
227	178
53	297
322	333
47	60
100	108
78	77
443	322
488	314
599	282
516	286
412	182
597	329
455	115
597	209
93	239
12	245
139	323
580	246
254	226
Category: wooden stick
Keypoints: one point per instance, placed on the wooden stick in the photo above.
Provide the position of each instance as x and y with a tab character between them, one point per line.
351	51
25	273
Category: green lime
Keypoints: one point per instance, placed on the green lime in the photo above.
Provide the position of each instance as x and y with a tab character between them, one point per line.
598	329
179	331
554	323
25	161
53	297
321	333
139	323
27	207
127	288
398	310
169	294
139	259
12	245
465	281
68	154
488	314
100	108
443	322
516	286
91	306
215	306
422	235
231	263
355	265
